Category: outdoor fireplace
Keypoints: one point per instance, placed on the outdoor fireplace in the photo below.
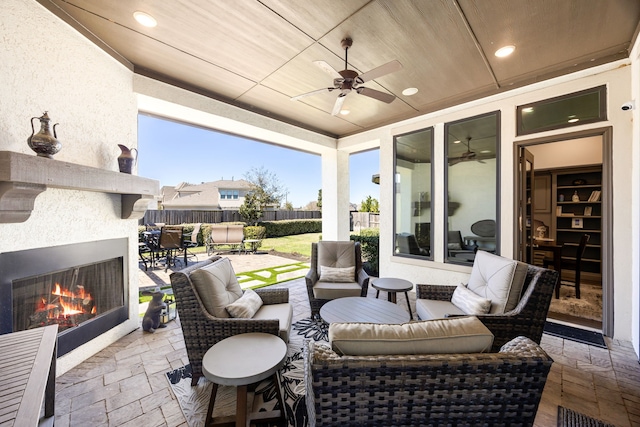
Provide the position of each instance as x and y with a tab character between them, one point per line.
80	287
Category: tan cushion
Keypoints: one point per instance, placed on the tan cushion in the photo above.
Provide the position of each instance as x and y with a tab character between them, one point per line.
498	279
283	312
245	306
333	290
470	302
429	309
444	336
336	254
337	274
217	286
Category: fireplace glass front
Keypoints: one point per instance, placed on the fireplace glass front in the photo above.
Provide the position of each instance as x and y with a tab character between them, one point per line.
68	297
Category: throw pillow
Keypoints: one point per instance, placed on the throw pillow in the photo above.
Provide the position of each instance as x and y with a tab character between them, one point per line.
217	286
245	306
470	302
443	336
337	274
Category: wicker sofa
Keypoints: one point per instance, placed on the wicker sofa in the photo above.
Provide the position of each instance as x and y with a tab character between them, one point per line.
478	389
526	319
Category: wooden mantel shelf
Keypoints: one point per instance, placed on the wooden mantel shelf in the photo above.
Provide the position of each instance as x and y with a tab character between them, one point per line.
23	177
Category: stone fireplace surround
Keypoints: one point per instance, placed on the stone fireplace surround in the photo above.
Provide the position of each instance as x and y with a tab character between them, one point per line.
48	203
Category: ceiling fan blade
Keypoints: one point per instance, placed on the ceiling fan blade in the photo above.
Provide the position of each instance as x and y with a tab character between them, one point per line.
380	71
328	69
376	94
338	105
326	89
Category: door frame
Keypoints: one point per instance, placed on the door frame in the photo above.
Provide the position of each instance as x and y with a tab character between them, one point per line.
606	133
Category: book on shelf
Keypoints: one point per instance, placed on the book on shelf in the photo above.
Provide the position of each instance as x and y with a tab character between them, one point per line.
595	196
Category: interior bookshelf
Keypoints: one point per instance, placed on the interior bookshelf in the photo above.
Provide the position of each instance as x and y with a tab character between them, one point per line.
577	211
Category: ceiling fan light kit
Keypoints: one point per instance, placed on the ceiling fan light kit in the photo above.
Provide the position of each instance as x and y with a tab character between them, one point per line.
347	80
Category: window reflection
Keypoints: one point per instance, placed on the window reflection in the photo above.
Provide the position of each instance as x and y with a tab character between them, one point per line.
413	178
472	178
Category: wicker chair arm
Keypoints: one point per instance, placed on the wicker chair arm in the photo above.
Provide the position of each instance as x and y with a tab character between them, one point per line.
435	292
273	296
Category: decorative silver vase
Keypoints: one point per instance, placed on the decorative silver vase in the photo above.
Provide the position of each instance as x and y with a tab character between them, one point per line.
43	143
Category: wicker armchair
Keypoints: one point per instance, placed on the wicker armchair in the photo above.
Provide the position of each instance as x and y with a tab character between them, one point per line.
463	389
527	318
334	254
201	330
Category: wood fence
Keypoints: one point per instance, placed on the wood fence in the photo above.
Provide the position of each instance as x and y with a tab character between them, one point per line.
361	220
213	217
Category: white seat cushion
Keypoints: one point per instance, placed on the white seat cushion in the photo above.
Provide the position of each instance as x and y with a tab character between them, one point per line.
217	286
283	312
456	335
333	290
497	279
428	309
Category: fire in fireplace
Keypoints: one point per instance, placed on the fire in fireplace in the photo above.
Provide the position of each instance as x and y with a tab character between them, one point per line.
80	287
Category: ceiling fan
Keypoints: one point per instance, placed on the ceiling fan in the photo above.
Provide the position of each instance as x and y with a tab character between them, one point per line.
347	80
469	155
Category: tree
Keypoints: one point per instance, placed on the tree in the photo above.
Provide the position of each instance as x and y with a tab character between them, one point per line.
250	209
319	204
370	205
267	190
288	206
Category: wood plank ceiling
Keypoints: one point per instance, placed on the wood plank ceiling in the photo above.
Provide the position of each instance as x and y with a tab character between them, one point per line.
257	54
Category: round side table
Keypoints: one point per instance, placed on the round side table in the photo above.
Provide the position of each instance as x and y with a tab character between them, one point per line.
391	286
241	360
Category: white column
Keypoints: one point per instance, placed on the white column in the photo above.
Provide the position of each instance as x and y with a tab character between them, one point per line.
335	195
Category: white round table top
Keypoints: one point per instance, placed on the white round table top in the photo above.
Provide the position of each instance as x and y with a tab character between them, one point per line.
362	309
391	284
244	359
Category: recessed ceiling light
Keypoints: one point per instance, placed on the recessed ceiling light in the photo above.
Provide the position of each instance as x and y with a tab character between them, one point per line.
145	19
344	112
527	110
456	142
410	91
505	51
573	120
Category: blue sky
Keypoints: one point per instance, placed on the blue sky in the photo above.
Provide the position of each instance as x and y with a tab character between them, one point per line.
171	153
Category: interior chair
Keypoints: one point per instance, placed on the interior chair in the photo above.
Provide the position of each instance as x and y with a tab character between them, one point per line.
170	243
423	234
207	294
456	245
335	272
571	264
190	241
408	244
510	297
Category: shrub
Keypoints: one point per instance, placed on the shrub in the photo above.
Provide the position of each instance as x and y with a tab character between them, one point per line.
255	232
291	227
369	238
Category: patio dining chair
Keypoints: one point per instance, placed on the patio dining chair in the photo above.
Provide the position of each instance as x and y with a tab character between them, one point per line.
170	243
190	240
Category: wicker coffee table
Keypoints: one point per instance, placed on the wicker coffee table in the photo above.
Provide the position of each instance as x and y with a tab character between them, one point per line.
241	360
362	309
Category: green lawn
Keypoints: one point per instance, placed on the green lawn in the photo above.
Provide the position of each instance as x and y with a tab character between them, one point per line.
297	244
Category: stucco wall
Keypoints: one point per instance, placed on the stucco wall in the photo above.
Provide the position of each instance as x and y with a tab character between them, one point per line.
617	77
46	65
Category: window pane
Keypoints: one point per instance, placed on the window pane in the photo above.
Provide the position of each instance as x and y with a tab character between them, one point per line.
587	106
472	182
413	178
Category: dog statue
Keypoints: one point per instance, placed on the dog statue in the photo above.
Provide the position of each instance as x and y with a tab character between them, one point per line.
151	320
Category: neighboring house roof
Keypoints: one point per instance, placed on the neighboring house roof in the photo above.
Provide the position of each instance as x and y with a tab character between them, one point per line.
200	196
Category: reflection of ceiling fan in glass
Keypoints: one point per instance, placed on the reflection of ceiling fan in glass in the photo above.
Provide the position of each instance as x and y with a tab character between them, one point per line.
470	155
347	80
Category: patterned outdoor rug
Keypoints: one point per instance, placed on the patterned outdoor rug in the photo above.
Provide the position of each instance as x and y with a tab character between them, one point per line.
194	401
569	418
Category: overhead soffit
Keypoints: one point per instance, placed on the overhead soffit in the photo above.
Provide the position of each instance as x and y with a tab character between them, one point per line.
258	54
